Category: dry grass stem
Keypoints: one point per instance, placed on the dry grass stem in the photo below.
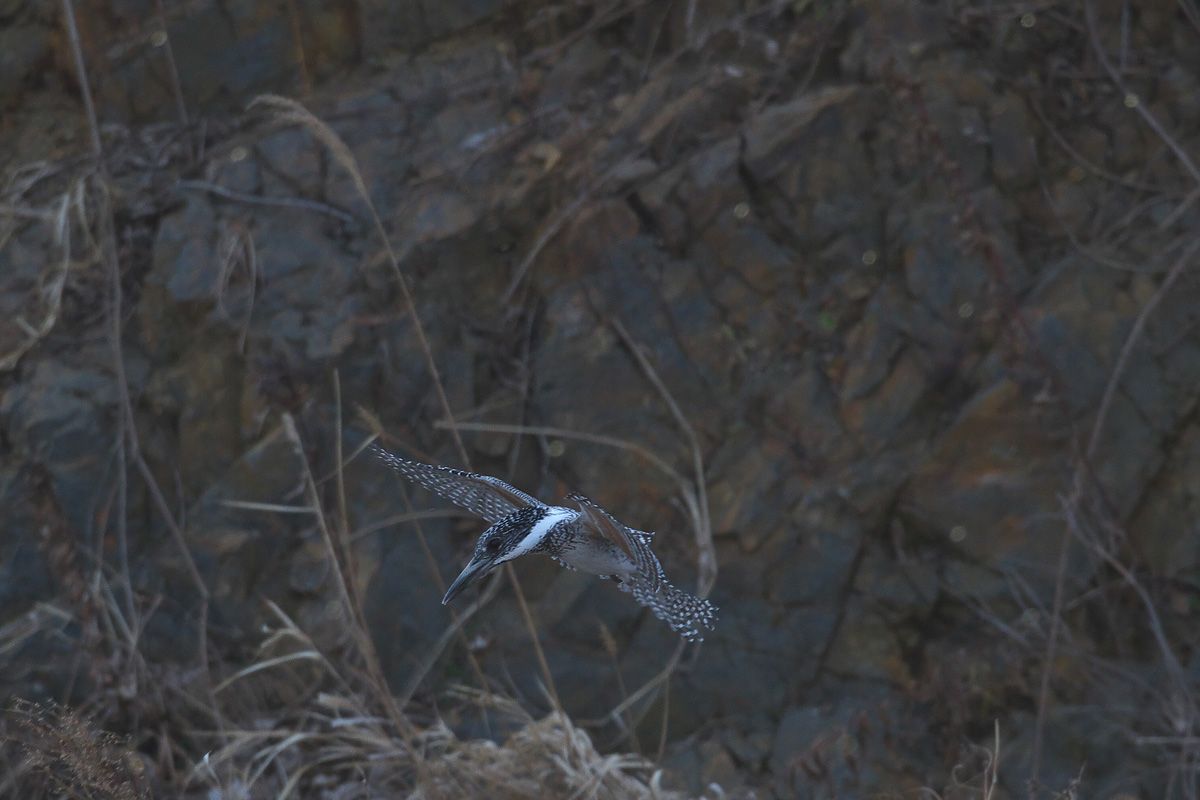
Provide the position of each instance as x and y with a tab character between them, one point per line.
555	224
565	433
1140	107
259	200
1076	527
50	289
696	499
335	737
85	90
344	582
288	111
1131	340
172	69
105	244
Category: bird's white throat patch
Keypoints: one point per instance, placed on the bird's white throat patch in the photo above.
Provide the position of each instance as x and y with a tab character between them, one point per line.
553	516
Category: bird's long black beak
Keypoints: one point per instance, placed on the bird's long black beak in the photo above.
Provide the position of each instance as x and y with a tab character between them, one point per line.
473	572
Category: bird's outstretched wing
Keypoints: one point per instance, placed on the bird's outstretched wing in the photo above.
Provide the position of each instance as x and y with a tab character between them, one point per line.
601	522
589	508
485	496
689	616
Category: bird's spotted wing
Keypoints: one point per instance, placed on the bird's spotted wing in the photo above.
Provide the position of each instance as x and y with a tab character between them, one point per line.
485	496
687	615
601	522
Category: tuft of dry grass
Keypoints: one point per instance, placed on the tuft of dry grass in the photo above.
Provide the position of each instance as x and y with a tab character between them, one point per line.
45	299
332	738
64	755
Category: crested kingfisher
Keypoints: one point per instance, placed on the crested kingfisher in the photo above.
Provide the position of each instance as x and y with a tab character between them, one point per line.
588	539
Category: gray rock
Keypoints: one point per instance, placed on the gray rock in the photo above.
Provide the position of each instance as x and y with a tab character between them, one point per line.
224	55
893	35
291	163
1129	456
184	251
991	485
306	302
24	577
1164	529
1014	164
798	730
939	272
578	604
768	649
761	263
778	128
412	25
59	416
875	418
404	603
716	165
818	568
868	646
580	62
24	52
744	496
906	583
871	349
808	405
9	8
310	568
431	216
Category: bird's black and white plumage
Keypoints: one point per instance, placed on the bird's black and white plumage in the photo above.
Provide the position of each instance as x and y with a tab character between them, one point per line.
588	539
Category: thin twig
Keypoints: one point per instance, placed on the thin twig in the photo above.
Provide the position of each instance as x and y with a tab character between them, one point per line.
122	509
290	111
81	74
1039	725
21	212
1071	511
301	60
557	221
362	638
173	70
1131	340
455	628
651	685
1138	105
566	433
128	423
107	237
458	619
283	202
411	516
50	293
703	525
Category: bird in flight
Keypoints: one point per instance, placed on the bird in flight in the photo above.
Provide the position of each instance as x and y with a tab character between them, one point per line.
587	539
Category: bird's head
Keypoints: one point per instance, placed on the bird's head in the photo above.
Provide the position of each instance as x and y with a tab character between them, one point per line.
517	534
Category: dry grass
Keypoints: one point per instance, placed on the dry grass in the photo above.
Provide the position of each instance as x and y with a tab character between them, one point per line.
334	739
61	754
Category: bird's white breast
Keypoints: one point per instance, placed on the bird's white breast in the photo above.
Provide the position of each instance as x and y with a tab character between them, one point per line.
554	515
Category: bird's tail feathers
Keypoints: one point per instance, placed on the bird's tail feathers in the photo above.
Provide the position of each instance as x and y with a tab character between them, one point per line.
688	615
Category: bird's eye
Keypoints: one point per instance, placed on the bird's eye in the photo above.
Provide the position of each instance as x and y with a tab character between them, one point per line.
492	545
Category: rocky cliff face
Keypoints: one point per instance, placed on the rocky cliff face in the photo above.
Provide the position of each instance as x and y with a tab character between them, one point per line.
917	278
